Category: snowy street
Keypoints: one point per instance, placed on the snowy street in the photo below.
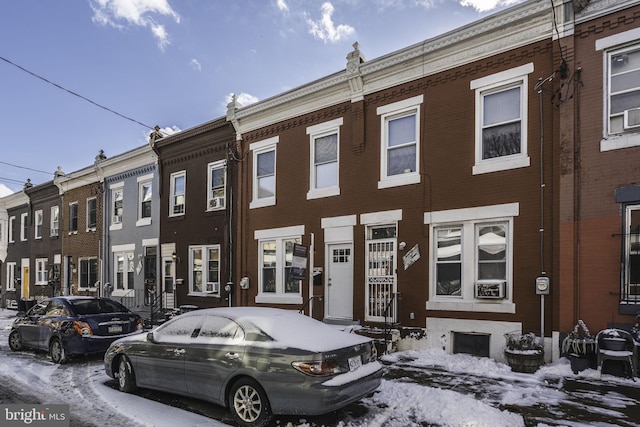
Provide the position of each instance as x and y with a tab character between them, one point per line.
420	388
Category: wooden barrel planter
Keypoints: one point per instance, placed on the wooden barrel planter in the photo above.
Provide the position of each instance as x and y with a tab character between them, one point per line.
526	362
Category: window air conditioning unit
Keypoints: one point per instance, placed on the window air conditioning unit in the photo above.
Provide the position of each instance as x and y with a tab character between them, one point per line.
212	288
117	219
490	290
216	202
632	118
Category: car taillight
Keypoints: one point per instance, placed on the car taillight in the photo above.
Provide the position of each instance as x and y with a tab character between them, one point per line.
374	353
82	328
318	368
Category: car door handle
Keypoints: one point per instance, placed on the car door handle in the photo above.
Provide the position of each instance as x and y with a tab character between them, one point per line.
232	356
179	351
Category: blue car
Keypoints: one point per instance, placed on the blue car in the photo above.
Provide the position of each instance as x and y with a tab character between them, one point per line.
73	325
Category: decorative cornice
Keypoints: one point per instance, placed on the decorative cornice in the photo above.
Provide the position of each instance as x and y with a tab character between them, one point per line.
598	8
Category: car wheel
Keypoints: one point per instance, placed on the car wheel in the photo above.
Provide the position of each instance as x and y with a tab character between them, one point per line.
56	351
249	404
15	343
126	376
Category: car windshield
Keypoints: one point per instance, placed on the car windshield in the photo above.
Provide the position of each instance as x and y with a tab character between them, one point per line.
97	306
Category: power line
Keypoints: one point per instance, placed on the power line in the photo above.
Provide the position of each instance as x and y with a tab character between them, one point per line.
26	168
74	93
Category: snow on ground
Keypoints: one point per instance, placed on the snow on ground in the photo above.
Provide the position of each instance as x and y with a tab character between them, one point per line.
398	403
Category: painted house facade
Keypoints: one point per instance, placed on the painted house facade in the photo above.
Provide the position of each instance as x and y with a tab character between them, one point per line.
15	273
414	183
197	172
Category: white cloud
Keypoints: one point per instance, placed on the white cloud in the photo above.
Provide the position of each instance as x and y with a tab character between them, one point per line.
134	12
485	5
243	98
325	29
282	6
5	191
195	64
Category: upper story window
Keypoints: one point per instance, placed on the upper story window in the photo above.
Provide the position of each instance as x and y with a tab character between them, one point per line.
145	195
501	120
264	172
37	226
92	213
12	223
400	146
276	283
55	221
472	258
621	89
216	191
177	196
117	205
205	269
324	150
73	217
24	227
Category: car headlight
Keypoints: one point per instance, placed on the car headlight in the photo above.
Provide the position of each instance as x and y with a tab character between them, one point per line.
318	368
82	328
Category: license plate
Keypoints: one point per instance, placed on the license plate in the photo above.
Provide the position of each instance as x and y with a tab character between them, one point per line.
115	329
354	363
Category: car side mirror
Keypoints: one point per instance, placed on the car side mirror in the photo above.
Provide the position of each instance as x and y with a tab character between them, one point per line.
150	337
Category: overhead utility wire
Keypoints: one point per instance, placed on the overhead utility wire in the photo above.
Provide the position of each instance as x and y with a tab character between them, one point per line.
24	167
74	93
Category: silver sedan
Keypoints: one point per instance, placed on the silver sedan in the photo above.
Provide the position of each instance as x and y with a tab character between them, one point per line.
258	362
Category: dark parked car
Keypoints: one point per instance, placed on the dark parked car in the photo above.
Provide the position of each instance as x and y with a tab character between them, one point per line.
72	325
256	361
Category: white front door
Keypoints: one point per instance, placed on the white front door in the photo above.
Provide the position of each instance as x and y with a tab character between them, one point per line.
339	282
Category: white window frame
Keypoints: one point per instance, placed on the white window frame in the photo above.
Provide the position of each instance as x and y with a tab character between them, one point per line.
143	182
38	224
610	46
12	224
173	196
23	227
73	231
127	253
468	219
42	272
117	213
216	202
258	148
210	285
91	199
90	286
11	276
388	113
315	132
631	244
54	221
495	83
279	236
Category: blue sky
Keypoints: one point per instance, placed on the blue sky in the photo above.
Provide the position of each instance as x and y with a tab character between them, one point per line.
174	63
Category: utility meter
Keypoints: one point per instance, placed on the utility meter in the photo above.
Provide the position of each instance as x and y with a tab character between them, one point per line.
542	285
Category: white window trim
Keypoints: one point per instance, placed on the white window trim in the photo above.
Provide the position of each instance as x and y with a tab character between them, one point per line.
38	224
387	111
468	218
317	131
54	227
11	276
607	45
23	223
10	232
41	266
278	234
143	180
514	77
69	219
116	225
220	164
205	270
257	148
125	250
172	179
94	228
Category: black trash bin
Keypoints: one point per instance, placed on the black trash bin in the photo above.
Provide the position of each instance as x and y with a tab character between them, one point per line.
24	304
